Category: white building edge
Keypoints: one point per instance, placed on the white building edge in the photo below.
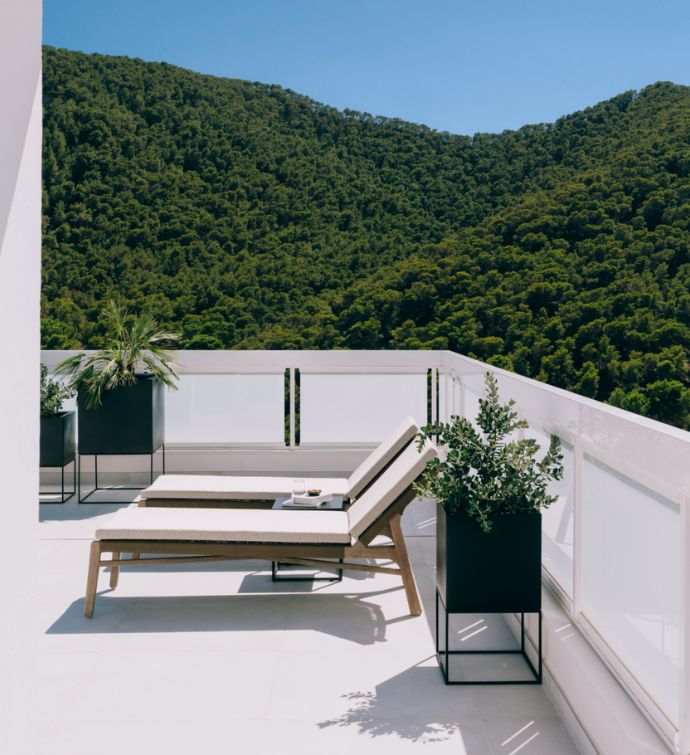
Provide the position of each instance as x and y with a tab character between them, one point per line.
20	281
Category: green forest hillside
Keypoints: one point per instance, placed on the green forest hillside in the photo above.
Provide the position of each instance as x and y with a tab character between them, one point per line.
248	216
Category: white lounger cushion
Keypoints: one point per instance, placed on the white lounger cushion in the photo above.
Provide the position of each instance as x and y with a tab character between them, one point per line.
228	487
382	455
272	525
227	525
391	484
223	487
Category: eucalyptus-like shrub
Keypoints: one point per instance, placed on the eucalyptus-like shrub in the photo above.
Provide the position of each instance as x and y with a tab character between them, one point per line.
485	474
53	393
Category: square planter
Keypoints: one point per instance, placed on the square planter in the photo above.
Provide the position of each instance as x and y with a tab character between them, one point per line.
130	420
57	440
495	572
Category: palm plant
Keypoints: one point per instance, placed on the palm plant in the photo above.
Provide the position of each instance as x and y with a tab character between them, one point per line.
135	346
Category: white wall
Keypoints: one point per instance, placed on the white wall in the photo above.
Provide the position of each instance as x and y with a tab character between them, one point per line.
20	276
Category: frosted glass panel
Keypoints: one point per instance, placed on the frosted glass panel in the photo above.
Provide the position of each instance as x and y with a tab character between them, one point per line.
631	578
449	394
226	409
558	521
358	408
471	405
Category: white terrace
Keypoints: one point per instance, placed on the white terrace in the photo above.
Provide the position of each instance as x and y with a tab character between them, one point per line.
212	655
217	659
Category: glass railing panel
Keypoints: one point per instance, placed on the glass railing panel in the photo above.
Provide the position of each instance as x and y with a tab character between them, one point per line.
226	409
631	572
471	405
356	408
449	396
558	522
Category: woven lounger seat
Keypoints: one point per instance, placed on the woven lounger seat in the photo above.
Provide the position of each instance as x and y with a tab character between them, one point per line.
301	537
202	490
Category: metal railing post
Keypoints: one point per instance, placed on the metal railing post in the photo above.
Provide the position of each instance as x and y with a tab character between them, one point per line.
434	393
293	388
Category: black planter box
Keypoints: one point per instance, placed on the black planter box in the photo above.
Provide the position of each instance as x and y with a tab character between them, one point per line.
130	420
57	440
495	572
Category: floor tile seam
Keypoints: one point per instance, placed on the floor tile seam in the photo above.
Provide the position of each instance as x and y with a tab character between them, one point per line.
65	539
455	720
507	716
268	701
75	720
151	652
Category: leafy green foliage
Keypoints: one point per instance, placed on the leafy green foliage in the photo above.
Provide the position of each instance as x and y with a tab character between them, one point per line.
484	473
53	394
248	216
135	346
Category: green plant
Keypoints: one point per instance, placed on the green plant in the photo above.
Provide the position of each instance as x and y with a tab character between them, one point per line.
135	346
484	474
53	393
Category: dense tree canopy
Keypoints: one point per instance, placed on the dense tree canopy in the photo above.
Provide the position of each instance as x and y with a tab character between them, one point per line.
248	216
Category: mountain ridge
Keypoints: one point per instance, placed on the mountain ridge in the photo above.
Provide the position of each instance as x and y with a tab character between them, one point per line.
249	216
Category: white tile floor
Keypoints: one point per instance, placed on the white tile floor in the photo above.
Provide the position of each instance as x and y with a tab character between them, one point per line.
217	659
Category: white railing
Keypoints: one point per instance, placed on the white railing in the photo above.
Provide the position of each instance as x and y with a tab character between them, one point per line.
616	545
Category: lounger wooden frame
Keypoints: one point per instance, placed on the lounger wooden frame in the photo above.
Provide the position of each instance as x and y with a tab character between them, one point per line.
314	555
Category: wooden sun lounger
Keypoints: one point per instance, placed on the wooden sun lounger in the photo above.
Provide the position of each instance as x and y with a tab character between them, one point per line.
203	491
298	537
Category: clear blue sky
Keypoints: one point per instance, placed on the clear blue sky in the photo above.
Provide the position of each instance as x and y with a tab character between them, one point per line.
456	65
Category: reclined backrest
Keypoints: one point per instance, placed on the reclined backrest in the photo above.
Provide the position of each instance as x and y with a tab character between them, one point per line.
385	490
381	456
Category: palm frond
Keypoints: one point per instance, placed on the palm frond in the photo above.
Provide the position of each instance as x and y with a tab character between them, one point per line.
134	346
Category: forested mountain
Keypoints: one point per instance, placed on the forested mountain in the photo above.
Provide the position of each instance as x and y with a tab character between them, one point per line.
248	216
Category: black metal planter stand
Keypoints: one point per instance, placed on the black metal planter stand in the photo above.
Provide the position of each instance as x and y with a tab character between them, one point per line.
96	487
443	654
70	493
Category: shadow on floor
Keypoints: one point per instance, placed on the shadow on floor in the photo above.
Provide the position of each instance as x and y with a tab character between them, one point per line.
381	713
64	512
256	581
348	617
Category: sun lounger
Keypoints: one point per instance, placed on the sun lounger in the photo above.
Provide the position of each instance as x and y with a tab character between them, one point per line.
219	490
311	538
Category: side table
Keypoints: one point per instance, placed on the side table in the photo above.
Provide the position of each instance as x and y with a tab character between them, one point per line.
337	503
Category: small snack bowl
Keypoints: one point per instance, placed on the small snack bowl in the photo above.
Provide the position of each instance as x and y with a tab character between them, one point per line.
314	491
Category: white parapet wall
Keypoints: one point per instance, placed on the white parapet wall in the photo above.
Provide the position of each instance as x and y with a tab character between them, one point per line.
20	280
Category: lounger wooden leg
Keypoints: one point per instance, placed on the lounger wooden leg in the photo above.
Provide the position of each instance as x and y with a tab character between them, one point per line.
403	562
114	571
92	579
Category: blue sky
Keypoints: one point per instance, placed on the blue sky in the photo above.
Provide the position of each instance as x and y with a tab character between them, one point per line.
455	65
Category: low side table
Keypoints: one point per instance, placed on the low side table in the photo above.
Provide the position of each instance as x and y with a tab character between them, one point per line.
337	503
